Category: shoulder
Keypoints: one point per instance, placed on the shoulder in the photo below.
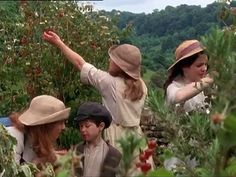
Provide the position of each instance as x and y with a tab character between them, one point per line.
177	83
88	69
80	147
13	131
144	86
114	152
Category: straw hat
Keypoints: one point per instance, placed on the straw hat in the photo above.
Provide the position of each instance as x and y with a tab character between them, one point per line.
44	109
128	58
93	110
187	49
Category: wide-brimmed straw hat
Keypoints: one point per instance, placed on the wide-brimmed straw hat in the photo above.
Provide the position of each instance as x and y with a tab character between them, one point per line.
187	49
128	58
95	111
44	109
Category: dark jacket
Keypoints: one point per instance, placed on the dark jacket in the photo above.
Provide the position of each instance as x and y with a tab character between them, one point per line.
110	164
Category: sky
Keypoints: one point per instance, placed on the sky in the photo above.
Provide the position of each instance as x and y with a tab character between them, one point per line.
146	6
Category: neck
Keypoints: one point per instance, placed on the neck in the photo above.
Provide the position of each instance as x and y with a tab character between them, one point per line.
95	142
187	79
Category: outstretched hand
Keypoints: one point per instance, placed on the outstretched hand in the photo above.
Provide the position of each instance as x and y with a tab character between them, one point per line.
51	37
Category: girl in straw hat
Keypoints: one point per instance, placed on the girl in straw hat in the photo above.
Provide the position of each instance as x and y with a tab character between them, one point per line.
188	78
122	88
37	129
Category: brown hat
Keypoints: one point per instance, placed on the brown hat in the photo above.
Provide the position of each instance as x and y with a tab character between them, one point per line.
44	109
128	58
186	49
93	110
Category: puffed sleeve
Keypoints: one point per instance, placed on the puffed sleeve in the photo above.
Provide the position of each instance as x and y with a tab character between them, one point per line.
100	79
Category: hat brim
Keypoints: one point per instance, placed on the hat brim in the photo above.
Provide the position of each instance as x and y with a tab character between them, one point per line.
30	119
197	50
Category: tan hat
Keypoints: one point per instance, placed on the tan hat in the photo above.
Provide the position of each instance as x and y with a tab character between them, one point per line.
187	49
44	109
128	58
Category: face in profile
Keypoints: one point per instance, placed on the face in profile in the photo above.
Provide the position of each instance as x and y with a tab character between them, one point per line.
56	129
89	130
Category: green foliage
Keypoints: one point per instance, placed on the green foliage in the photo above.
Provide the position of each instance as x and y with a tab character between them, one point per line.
129	144
197	140
160	32
70	137
8	165
160	173
32	67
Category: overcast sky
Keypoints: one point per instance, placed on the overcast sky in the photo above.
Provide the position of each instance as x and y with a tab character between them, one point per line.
147	6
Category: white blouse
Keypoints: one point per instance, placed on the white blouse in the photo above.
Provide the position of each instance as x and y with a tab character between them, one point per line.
196	103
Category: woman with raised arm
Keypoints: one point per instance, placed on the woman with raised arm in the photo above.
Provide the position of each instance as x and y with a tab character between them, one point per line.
122	88
188	78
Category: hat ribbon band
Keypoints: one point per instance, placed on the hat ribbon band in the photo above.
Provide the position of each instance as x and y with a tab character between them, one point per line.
189	49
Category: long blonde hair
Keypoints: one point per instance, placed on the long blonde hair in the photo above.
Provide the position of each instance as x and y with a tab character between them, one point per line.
134	89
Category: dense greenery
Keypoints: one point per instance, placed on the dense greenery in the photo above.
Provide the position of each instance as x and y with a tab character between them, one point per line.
158	33
203	144
29	66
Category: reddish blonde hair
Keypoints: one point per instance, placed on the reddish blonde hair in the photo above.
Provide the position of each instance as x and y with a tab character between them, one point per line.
39	137
14	116
43	147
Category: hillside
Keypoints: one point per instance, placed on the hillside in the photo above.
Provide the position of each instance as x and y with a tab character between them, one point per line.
158	33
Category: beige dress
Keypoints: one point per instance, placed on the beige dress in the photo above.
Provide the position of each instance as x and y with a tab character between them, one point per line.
125	113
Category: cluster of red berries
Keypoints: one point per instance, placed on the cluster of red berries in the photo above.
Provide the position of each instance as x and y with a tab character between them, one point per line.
144	156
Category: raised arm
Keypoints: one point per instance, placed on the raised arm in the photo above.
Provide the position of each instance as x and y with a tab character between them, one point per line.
72	56
192	89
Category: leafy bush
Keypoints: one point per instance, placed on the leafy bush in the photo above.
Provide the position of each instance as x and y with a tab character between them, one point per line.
30	67
204	145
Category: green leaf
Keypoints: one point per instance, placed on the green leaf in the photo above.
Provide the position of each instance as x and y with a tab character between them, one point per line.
161	172
230	124
203	172
231	169
228	132
63	173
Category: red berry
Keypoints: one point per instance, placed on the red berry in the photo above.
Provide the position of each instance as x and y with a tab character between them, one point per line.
148	152
145	167
38	70
142	157
24	40
152	144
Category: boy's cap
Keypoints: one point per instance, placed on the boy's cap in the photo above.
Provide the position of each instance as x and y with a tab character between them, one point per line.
93	110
